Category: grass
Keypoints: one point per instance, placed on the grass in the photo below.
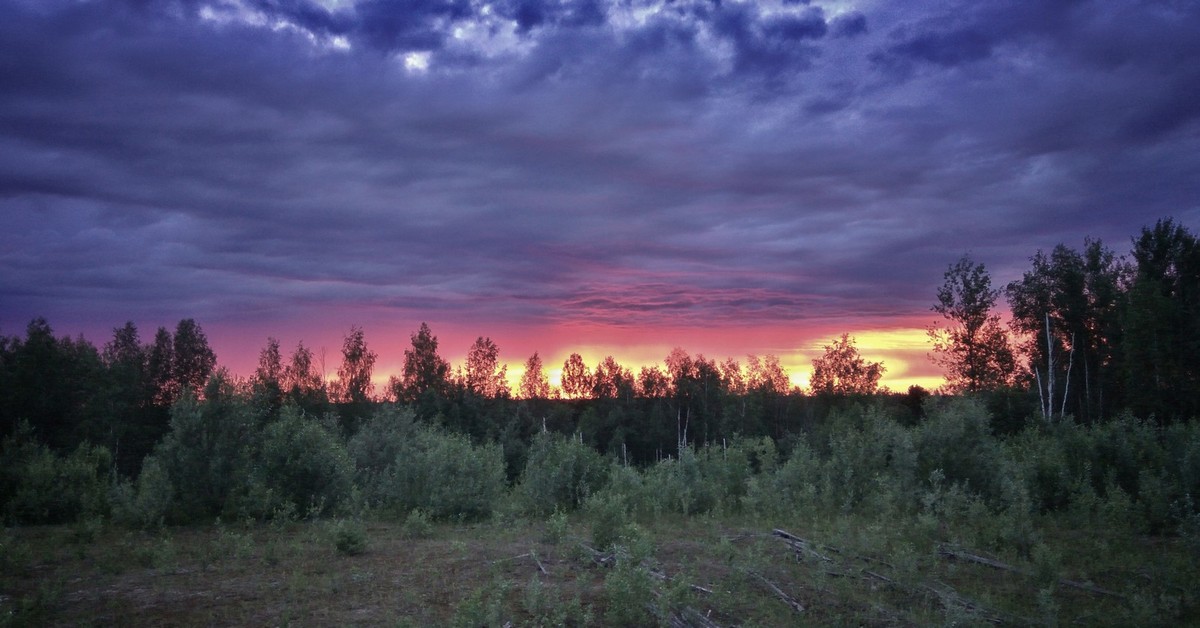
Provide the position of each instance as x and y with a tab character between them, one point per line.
854	570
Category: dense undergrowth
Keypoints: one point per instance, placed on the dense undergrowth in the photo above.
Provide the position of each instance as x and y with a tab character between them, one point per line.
1112	504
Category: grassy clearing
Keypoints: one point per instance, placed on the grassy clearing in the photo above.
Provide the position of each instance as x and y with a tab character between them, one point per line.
728	570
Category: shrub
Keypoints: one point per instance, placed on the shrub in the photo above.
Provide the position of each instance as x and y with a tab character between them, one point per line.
678	484
1041	463
39	486
350	537
861	451
143	504
304	463
556	528
629	485
208	453
628	591
609	519
560	473
726	470
377	445
441	473
791	486
416	525
956	439
484	606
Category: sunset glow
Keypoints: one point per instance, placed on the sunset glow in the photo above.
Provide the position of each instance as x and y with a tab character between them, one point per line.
604	178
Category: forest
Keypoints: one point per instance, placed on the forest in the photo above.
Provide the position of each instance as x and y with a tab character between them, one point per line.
1052	479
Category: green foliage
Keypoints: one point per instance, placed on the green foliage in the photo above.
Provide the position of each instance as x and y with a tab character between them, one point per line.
404	467
304	463
545	607
956	440
143	504
716	477
349	537
609	519
208	454
628	592
678	484
791	487
484	606
863	450
40	486
556	527
417	525
560	474
376	447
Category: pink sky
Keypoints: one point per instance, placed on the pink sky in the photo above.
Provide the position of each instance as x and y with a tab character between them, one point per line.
901	344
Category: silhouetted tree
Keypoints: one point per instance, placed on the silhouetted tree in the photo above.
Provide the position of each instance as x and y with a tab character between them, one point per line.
970	343
842	371
766	375
576	379
301	383
354	384
484	375
1066	307
126	358
194	360
534	384
53	384
611	381
268	376
653	383
425	372
1162	324
135	424
732	377
160	369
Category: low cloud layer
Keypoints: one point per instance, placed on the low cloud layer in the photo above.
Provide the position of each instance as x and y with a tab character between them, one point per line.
534	162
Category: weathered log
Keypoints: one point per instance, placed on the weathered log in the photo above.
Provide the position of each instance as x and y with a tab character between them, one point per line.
799	545
948	552
787	599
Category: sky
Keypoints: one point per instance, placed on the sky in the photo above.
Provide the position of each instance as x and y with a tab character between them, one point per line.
605	177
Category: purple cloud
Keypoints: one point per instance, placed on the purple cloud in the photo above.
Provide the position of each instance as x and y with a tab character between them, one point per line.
525	163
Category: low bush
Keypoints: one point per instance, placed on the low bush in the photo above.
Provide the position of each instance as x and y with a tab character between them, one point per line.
560	473
440	473
208	454
416	525
40	486
143	504
956	439
609	519
304	463
349	537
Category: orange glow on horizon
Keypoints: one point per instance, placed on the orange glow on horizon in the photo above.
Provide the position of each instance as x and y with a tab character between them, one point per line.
903	351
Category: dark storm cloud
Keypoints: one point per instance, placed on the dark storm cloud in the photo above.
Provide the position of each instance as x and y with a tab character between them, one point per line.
536	161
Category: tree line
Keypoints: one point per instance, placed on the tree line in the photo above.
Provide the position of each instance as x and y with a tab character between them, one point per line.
1090	334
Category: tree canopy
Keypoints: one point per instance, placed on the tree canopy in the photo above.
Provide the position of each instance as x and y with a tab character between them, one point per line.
842	371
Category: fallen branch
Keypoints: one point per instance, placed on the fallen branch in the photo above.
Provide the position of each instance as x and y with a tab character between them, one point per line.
662	577
955	554
600	558
879	576
799	545
787	599
948	596
530	555
540	567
